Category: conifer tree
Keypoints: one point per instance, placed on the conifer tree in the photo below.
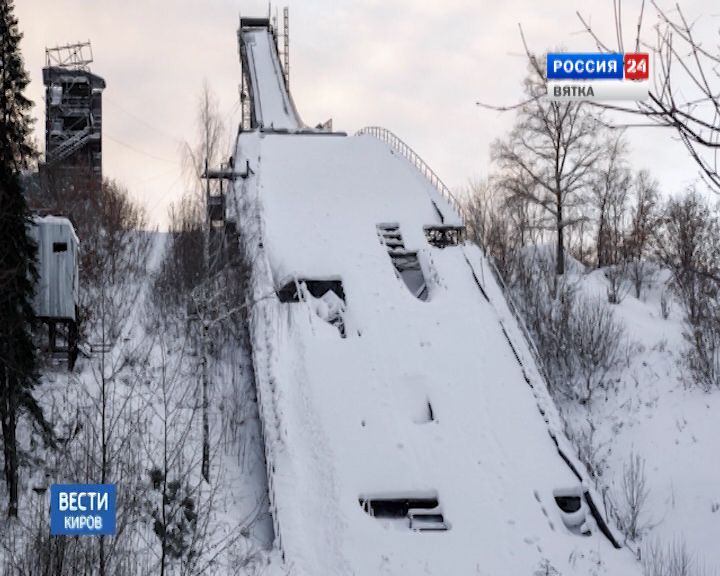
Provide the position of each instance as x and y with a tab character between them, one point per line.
18	375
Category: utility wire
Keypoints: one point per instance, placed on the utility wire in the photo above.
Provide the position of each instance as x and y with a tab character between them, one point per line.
138	151
164	194
143	121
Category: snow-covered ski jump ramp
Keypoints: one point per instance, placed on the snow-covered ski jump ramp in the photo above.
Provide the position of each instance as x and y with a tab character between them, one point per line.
407	429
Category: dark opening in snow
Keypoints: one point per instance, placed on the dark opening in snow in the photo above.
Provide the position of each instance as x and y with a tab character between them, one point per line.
406	263
568	504
396	507
59	246
420	512
317	288
574	515
326	297
576	505
444	236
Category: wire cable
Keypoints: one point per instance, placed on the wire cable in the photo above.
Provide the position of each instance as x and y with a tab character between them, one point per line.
138	151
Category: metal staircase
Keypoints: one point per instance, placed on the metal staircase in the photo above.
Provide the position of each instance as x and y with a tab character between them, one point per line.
406	263
69	146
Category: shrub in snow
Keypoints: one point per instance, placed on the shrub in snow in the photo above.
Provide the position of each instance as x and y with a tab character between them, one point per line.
702	356
591	452
579	339
597	341
671	560
687	245
632	516
174	516
617	282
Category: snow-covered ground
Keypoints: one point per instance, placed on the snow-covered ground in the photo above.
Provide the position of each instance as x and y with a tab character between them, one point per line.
151	376
655	413
395	390
419	398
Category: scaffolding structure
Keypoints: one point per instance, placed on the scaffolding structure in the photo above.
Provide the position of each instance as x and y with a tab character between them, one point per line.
73	117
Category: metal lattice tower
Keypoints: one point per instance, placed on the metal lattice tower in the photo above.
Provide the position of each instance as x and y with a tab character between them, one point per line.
70	56
73	116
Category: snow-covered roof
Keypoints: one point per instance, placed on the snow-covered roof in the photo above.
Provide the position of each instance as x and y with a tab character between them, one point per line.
58	221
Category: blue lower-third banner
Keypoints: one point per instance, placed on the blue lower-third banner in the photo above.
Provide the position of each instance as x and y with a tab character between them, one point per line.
82	509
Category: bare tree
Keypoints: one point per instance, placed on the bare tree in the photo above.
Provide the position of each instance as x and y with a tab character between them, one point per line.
687	245
686	88
608	196
187	536
173	502
211	133
548	157
194	225
644	218
492	224
183	266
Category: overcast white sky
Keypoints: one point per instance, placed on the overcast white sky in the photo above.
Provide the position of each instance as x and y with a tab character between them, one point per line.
415	67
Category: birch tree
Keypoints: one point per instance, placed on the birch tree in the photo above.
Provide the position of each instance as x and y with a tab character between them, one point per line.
548	157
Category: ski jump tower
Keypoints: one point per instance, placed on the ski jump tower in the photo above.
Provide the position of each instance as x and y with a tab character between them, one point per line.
407	428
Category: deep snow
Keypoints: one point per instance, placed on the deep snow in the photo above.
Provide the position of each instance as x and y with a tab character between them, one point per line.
656	413
343	417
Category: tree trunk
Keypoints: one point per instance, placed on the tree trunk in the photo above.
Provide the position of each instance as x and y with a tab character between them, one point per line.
8	415
601	250
205	406
560	254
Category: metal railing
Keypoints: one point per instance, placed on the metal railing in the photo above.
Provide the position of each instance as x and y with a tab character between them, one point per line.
394	141
399	145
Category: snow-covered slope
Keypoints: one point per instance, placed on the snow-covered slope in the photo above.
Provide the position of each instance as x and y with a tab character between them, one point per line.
404	433
657	414
420	399
273	106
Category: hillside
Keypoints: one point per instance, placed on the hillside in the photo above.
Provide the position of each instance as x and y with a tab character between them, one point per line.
655	412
